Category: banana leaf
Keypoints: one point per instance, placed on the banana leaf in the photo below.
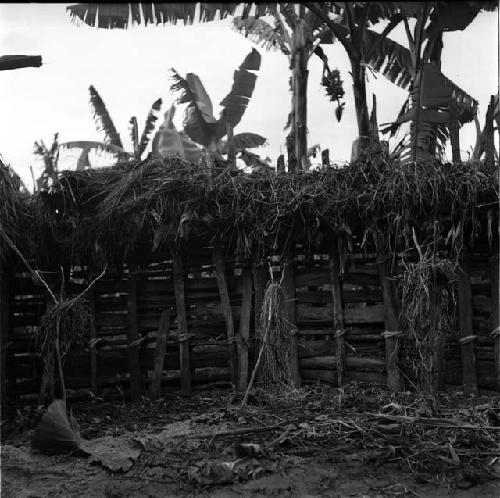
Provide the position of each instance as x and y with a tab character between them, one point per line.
430	98
103	119
92	144
262	33
236	101
199	122
243	141
170	142
149	126
121	15
389	58
134	135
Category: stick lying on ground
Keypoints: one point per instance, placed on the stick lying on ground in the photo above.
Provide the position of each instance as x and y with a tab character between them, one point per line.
434	422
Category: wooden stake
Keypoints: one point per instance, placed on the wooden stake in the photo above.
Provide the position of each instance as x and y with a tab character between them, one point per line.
495	298
489	133
244	332
180	301
160	350
231	151
391	311
290	306
338	310
132	337
325	157
4	326
454	131
93	338
280	166
259	284
218	259
467	337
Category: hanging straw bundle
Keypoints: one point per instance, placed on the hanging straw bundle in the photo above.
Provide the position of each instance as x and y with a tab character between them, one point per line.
65	325
274	339
427	296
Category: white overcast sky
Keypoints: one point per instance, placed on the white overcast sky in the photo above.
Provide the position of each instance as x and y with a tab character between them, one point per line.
130	69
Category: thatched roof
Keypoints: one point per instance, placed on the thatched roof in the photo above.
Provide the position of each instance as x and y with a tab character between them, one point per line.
115	210
11	207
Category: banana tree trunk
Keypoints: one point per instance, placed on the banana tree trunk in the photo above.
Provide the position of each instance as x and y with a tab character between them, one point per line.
300	75
300	56
360	102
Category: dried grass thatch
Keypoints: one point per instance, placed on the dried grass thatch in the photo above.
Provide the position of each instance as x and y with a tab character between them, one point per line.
114	211
11	206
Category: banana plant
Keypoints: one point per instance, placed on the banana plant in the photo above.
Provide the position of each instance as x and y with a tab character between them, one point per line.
418	70
50	157
200	125
168	141
493	115
298	36
349	23
105	124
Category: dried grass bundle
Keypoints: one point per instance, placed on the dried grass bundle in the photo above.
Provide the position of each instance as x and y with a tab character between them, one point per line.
66	324
10	205
428	301
274	338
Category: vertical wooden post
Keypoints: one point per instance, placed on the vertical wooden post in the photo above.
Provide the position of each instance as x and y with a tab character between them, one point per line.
160	350
133	337
495	298
244	332
338	310
280	166
391	311
180	302
47	383
93	339
467	336
489	133
290	147
218	259
454	131
325	157
288	284
4	326
231	151
259	285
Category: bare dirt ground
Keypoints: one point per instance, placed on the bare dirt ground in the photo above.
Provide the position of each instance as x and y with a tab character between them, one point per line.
316	442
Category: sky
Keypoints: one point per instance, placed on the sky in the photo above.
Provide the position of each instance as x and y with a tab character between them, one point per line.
130	70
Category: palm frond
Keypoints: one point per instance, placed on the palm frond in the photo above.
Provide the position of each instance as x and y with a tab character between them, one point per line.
103	119
149	126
